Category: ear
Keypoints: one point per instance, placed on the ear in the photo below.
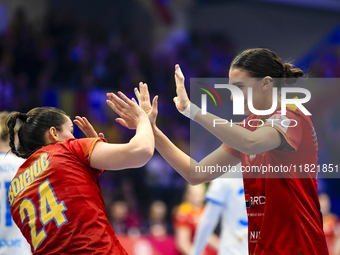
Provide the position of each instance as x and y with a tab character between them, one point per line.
51	135
267	83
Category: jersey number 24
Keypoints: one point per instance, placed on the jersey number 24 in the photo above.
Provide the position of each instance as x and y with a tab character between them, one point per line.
50	209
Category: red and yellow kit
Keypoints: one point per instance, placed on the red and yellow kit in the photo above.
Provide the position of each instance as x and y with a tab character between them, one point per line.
55	199
283	206
188	216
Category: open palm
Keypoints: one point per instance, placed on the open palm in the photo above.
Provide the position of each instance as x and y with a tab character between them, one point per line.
182	99
143	97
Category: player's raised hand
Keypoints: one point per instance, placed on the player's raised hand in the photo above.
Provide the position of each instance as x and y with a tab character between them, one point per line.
143	97
128	110
182	99
86	127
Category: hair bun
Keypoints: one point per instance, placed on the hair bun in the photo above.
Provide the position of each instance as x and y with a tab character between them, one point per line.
23	117
291	73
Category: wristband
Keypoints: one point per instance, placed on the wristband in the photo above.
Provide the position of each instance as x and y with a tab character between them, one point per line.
190	111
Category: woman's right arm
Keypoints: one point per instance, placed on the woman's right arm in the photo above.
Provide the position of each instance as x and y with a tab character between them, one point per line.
138	151
187	167
181	162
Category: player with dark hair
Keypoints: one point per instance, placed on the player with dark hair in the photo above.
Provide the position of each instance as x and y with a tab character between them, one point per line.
283	213
55	197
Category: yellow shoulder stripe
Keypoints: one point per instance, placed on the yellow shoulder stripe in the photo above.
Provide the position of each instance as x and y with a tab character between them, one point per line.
292	106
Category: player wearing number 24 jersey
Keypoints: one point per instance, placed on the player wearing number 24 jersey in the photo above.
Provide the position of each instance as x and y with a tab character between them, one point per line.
55	197
56	200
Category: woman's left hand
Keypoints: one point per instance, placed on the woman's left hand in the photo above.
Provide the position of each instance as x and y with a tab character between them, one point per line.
86	127
143	97
181	100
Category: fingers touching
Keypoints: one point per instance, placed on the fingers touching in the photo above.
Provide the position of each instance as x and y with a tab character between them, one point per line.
126	108
142	94
119	102
137	93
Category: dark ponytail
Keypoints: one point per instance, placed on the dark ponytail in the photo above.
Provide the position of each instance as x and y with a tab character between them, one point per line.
260	63
35	123
11	121
291	74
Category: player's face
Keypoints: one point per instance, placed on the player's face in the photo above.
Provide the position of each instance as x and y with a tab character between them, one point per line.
241	79
66	131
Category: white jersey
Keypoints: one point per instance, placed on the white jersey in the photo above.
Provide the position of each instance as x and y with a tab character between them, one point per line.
12	242
229	193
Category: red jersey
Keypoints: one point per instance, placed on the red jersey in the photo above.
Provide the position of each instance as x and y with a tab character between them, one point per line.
55	199
283	210
188	216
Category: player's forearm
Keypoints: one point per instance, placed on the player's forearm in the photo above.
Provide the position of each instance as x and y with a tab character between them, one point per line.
143	143
234	136
187	167
173	155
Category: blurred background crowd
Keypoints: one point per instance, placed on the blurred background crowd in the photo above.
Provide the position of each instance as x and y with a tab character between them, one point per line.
69	54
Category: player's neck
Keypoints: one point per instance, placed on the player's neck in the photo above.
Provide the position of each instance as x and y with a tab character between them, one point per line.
265	117
4	147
